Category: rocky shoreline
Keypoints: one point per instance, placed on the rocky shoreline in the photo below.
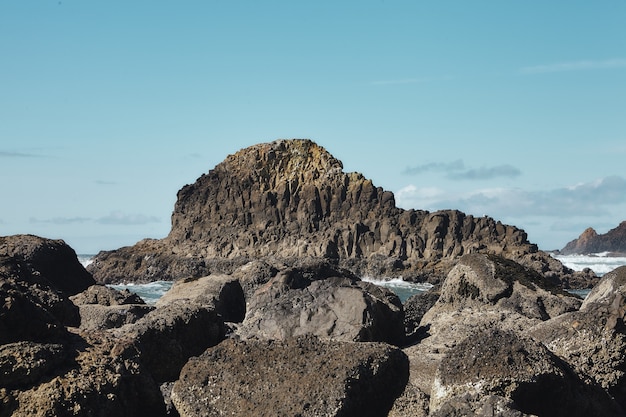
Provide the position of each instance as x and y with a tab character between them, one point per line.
268	315
496	338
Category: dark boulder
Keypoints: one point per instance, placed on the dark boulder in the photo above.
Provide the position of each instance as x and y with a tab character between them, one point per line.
296	377
48	262
521	370
168	336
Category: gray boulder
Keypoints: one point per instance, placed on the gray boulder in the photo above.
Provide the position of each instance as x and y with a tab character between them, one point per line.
220	292
593	340
167	337
297	377
326	302
518	369
481	293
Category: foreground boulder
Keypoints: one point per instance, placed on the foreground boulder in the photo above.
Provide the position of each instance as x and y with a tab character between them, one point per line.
296	377
519	370
167	337
481	293
593	340
48	262
321	300
91	382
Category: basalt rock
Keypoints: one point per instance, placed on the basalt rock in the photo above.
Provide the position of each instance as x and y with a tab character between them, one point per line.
591	242
223	293
296	377
482	292
504	364
48	262
593	339
321	300
290	199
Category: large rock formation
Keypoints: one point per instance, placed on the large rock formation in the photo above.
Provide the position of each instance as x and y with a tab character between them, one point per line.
291	199
590	241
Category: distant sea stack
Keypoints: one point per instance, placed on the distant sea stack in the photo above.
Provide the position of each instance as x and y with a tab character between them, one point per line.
591	242
290	199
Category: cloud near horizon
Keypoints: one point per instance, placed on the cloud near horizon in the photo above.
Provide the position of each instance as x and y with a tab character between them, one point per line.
60	220
588	199
119	218
9	154
584	65
456	170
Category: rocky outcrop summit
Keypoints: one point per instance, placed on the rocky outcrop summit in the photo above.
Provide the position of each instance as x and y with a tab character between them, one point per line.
290	199
613	241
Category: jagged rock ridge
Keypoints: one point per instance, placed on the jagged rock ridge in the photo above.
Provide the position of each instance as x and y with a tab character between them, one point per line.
291	199
591	242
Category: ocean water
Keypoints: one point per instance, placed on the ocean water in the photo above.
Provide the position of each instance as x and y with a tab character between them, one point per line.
600	263
401	288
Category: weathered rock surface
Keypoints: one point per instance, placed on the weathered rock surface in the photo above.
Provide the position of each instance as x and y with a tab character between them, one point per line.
106	296
296	377
481	293
326	302
48	262
168	336
221	292
91	382
593	340
501	363
101	307
290	199
591	242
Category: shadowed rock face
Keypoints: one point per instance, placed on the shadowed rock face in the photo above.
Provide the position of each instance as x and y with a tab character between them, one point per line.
290	199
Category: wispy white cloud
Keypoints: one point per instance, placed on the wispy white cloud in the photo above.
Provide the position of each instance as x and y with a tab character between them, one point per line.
456	170
435	167
584	65
60	220
594	198
412	80
119	218
10	154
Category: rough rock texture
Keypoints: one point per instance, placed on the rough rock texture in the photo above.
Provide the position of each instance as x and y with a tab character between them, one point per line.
168	336
593	340
106	296
50	262
221	292
414	309
591	242
326	302
297	377
290	199
101	307
93	382
480	293
501	363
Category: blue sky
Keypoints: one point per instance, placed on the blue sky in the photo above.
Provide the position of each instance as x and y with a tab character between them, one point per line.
512	109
